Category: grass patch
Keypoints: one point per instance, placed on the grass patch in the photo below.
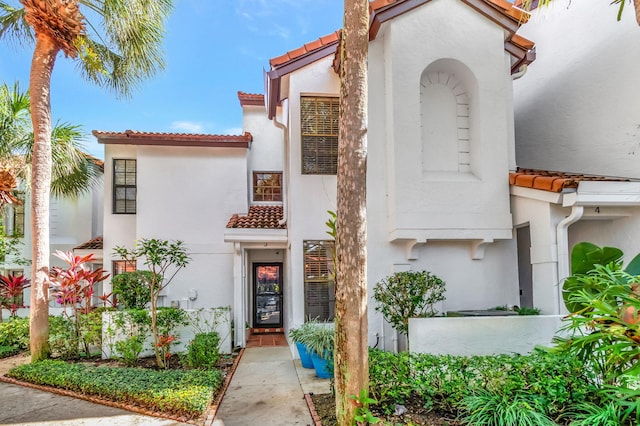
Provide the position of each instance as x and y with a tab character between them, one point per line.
7	351
179	392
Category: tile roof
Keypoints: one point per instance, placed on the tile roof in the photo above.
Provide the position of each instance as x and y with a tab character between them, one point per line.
132	137
259	217
501	12
553	181
253	99
324	41
95	244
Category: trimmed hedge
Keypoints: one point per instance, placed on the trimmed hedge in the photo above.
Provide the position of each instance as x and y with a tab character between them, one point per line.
553	381
180	392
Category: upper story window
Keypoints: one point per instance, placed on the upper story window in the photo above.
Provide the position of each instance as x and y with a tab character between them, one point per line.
267	186
124	186
319	128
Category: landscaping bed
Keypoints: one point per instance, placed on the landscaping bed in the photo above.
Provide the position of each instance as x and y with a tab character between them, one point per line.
175	392
540	388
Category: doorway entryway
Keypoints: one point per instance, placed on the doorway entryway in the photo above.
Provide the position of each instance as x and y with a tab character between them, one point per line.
525	272
267	290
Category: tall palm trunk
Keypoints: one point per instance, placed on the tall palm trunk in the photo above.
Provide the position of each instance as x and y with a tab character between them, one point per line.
351	343
44	58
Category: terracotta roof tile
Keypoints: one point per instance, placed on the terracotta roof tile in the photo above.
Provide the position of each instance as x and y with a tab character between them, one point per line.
95	244
510	10
303	50
259	217
250	99
553	181
132	137
522	42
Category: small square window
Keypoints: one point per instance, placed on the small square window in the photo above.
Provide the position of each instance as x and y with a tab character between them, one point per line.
267	186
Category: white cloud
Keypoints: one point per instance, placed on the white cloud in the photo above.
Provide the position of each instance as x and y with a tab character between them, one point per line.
233	131
187	126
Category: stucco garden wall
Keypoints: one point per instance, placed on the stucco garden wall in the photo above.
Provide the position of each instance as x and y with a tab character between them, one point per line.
482	335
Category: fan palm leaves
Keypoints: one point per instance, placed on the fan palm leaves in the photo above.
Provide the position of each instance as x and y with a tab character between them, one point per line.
116	44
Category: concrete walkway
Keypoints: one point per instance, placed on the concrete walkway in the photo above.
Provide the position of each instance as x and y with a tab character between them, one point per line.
268	389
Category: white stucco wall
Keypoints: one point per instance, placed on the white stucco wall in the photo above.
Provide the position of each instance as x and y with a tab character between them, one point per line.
310	196
216	179
425	203
482	335
577	106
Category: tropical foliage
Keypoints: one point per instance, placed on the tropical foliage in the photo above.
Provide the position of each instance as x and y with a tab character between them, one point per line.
160	256
117	51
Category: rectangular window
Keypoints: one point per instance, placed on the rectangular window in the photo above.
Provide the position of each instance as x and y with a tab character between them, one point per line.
122	266
319	280
124	186
18	216
267	186
319	127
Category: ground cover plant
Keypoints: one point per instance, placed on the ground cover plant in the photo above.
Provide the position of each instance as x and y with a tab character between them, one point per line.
179	392
7	351
538	389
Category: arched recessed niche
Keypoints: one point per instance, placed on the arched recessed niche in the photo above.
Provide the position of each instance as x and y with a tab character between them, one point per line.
447	87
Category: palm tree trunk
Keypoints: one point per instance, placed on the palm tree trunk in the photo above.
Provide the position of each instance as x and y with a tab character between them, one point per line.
351	344
42	64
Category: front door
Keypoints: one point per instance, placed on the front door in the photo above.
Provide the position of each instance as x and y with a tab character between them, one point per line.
267	288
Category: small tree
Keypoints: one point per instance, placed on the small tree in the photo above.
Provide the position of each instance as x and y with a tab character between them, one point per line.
159	256
408	294
73	288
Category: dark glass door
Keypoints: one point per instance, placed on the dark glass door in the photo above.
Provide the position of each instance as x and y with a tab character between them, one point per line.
267	285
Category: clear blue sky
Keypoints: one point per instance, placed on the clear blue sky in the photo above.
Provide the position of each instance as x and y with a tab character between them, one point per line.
213	48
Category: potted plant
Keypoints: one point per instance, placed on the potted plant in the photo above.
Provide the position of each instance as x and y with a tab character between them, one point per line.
298	336
320	343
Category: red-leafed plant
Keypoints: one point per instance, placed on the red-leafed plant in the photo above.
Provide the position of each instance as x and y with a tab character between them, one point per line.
164	346
73	288
11	293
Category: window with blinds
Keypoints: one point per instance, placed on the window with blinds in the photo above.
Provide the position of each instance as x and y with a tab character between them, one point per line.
319	280
124	186
319	127
122	266
267	186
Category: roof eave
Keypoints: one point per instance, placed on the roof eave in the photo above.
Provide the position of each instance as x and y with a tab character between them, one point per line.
272	80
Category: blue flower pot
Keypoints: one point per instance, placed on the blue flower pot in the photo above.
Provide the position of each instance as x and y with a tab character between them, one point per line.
322	366
305	356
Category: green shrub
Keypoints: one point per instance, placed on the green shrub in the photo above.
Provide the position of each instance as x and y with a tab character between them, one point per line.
179	392
62	338
129	350
203	351
442	381
7	351
132	289
15	333
491	409
408	294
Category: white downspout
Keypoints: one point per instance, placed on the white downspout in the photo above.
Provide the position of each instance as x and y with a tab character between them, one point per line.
285	160
520	73
562	236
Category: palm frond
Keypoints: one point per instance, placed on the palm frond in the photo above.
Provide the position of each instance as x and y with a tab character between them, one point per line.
13	24
129	49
